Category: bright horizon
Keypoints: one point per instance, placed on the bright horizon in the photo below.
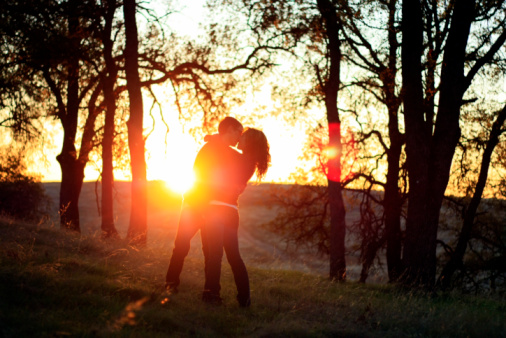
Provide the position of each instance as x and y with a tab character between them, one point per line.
172	161
170	156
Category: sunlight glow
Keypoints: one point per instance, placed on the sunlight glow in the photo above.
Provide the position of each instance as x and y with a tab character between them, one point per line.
286	144
180	181
330	152
172	161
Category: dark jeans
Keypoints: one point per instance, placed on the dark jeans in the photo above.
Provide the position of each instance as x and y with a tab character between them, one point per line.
190	221
220	232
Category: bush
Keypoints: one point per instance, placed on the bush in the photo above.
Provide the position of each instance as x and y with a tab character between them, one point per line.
21	196
24	199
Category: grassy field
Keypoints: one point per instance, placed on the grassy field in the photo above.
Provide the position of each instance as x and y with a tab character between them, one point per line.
54	283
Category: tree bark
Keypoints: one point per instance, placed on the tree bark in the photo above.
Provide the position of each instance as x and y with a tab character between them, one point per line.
137	230
331	89
392	199
429	158
457	257
109	80
70	190
393	202
416	246
72	169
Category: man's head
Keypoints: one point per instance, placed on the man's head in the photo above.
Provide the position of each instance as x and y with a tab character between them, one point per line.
230	130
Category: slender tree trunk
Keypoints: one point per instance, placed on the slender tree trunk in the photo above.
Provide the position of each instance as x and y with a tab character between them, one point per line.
137	230
108	228
331	89
392	199
457	257
393	207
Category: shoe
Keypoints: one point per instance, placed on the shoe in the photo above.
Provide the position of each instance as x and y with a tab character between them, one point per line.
244	302
171	289
211	298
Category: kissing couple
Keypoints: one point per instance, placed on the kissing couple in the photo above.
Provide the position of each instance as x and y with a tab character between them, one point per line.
211	206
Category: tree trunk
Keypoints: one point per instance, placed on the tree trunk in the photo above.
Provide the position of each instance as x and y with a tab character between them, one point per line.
137	229
337	232
430	158
393	207
331	89
465	234
392	199
416	245
447	129
70	190
72	169
108	228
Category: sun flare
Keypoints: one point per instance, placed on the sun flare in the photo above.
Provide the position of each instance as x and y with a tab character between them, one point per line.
180	181
172	161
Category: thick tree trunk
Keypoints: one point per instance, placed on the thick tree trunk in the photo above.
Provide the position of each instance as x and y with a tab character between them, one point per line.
416	246
447	129
337	231
138	212
72	168
108	228
70	190
430	158
457	257
331	89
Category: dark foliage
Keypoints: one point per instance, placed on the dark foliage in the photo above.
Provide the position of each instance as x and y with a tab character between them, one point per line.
484	265
21	196
303	222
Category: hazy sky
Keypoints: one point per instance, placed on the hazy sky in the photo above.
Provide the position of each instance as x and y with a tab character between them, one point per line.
170	156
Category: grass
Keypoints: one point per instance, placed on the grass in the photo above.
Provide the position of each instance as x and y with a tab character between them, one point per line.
54	283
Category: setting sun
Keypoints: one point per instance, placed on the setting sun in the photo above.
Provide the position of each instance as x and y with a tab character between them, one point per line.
180	181
172	161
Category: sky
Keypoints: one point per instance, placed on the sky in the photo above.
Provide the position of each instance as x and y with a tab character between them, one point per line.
170	156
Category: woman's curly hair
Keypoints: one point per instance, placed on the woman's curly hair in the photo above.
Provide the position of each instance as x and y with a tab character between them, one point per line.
257	148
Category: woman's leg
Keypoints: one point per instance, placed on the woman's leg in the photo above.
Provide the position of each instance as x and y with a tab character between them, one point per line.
212	241
231	245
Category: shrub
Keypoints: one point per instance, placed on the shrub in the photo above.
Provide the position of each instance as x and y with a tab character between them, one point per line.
21	195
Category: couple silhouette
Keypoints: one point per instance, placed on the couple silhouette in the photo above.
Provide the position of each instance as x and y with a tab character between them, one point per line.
211	205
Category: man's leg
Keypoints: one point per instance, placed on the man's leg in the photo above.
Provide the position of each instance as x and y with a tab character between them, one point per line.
189	223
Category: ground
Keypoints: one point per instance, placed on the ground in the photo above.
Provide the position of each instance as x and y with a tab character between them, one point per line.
259	247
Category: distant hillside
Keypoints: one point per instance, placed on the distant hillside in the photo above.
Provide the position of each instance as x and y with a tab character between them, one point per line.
259	247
